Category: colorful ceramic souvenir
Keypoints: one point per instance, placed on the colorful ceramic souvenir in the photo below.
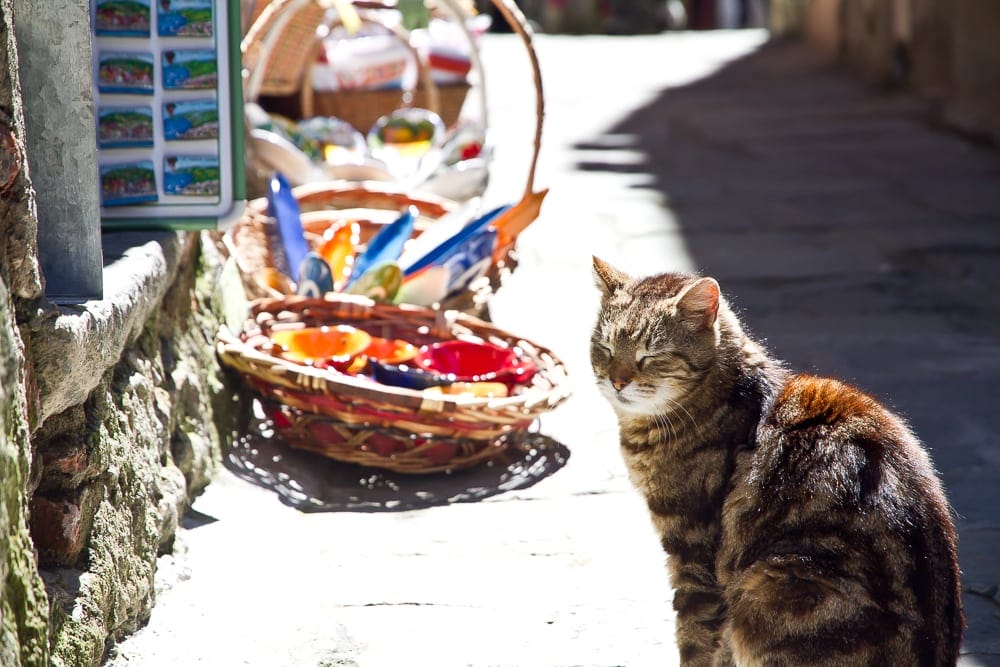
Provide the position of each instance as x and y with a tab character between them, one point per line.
284	208
475	361
184	18
333	347
406	375
131	183
338	247
189	69
386	245
440	253
315	277
408	141
191	176
186	120
124	126
125	72
379	283
122	19
390	350
426	287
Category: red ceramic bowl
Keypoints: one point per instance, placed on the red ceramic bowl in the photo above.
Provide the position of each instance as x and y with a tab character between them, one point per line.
324	347
471	361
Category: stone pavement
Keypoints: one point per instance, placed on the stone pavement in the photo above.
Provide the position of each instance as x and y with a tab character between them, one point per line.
857	237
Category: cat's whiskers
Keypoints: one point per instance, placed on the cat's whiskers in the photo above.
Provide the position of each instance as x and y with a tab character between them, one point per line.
677	408
663	420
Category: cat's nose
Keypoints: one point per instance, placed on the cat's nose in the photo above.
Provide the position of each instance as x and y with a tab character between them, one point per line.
619	383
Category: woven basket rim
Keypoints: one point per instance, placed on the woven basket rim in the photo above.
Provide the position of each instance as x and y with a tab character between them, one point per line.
233	349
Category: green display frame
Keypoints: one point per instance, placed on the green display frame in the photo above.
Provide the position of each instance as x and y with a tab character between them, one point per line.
140	173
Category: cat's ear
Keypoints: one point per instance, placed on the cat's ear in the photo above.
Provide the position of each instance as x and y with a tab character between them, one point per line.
607	277
699	303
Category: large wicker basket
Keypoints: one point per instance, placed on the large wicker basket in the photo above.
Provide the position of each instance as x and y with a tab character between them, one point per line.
361	421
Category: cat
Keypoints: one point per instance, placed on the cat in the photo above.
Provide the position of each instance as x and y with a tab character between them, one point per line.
803	522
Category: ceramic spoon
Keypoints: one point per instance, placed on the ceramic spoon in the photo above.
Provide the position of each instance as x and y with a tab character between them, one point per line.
285	210
386	245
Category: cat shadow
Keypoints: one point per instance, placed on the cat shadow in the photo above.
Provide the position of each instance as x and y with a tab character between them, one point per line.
310	482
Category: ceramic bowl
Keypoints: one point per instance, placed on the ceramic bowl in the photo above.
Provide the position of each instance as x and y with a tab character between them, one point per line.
333	347
406	375
472	389
390	350
473	361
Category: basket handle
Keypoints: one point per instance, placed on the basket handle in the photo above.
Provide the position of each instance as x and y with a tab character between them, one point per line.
515	18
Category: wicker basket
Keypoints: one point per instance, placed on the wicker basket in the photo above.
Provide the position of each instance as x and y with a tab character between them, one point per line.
251	242
357	420
279	53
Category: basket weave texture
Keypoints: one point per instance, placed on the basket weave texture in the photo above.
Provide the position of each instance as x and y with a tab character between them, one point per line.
357	420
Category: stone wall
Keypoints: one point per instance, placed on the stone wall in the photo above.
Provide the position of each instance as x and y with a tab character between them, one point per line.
945	49
113	416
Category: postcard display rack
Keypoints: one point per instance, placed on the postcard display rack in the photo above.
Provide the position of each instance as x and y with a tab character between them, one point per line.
168	97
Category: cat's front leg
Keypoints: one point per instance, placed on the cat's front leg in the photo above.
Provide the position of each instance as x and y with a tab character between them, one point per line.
700	613
724	655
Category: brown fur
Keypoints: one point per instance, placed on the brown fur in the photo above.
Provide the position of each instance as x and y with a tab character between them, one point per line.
803	521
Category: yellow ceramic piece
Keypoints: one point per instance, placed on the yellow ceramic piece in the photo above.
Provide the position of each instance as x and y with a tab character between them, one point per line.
474	389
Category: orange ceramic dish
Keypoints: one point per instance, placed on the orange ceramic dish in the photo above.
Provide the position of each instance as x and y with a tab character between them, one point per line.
390	350
324	347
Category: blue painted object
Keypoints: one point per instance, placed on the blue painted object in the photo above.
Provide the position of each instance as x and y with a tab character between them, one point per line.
386	245
470	259
284	209
406	375
441	253
315	276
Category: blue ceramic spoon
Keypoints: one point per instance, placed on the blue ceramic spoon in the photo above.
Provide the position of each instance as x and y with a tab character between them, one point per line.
386	245
285	210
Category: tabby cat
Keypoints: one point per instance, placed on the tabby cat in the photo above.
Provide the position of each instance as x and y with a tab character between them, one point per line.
804	523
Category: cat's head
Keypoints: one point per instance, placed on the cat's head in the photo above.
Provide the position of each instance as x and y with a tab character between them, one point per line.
656	338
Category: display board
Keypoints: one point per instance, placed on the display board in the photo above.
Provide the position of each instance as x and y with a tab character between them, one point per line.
169	111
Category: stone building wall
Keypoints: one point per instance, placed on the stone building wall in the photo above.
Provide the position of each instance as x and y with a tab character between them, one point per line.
113	416
945	49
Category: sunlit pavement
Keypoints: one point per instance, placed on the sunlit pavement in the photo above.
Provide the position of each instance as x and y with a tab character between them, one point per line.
853	235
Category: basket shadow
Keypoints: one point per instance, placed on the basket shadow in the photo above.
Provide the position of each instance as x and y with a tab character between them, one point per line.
313	483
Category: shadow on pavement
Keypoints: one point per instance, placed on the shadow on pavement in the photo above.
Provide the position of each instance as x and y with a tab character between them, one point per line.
313	483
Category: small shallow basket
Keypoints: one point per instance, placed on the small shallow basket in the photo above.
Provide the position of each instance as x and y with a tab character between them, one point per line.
361	421
252	243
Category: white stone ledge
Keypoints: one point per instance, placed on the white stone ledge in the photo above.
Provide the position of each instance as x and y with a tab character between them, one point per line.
72	347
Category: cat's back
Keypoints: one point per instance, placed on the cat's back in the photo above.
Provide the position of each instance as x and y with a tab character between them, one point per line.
823	435
838	520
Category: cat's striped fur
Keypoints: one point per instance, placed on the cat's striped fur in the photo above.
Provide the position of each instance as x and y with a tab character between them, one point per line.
803	521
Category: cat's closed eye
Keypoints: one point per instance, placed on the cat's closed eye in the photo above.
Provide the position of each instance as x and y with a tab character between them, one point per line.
602	350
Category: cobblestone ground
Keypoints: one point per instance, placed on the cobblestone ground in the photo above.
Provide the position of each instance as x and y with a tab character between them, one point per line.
857	237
